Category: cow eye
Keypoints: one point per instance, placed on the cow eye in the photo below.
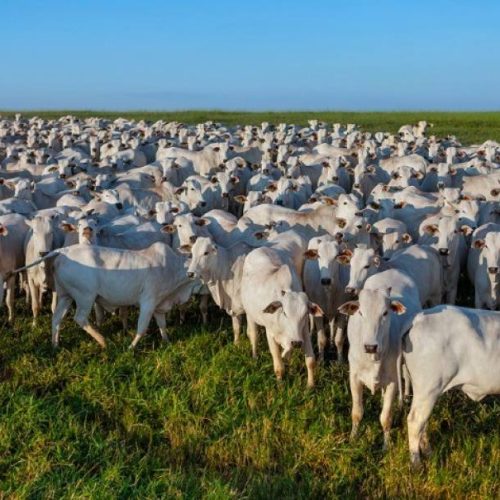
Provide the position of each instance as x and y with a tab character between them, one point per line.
367	267
206	253
385	313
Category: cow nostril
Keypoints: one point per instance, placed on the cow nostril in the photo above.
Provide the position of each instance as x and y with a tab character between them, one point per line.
356	185
297	343
444	251
190	275
493	270
326	281
119	206
350	290
371	348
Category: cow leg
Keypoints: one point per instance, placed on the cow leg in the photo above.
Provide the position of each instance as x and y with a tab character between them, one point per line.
339	342
82	319
62	307
407	381
99	315
357	403
253	335
421	408
123	312
9	298
386	413
311	323
161	321
279	367
145	315
236	320
310	359
35	300
322	340
182	313
54	301
204	308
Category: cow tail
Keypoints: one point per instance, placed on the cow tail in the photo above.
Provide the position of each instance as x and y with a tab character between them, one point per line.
50	255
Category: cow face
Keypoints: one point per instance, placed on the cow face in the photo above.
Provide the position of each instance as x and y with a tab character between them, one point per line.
364	263
375	307
490	256
291	319
204	255
42	234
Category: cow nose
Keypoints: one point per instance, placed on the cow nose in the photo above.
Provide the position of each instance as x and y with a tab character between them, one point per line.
335	178
119	206
222	166
297	343
43	254
357	186
192	239
163	179
440	185
326	281
190	275
350	290
493	270
339	236
371	348
225	195
62	176
203	203
444	251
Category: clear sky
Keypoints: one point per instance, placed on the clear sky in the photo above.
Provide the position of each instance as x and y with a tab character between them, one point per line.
258	54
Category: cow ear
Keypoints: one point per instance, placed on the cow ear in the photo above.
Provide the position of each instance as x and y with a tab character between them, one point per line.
68	228
201	222
401	204
261	235
452	171
466	230
328	200
185	248
431	229
406	238
240	198
376	261
349	308
465	197
495	192
341	222
168	228
478	244
315	310
216	149
272	187
344	258
273	307
375	205
311	254
397	307
3	231
180	190
152	212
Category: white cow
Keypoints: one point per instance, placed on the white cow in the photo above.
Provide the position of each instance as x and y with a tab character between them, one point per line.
446	348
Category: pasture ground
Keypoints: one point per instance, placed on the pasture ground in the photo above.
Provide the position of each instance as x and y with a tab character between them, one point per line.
200	418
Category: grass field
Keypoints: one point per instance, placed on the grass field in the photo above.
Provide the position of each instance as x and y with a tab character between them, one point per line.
200	418
469	127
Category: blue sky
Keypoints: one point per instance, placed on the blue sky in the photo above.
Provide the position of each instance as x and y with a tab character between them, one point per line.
259	54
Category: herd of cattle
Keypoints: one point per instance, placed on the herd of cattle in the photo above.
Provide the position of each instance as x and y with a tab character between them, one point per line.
295	228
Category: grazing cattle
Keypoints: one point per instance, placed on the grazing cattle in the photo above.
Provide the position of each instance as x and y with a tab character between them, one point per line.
449	348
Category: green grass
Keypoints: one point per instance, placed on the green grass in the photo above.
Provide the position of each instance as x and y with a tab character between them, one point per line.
201	418
469	127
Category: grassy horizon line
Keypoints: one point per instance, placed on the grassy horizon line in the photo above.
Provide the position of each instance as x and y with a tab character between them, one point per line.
470	127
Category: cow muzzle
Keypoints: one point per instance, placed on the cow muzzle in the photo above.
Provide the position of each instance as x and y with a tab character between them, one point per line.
326	281
190	275
119	206
444	251
493	270
350	290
